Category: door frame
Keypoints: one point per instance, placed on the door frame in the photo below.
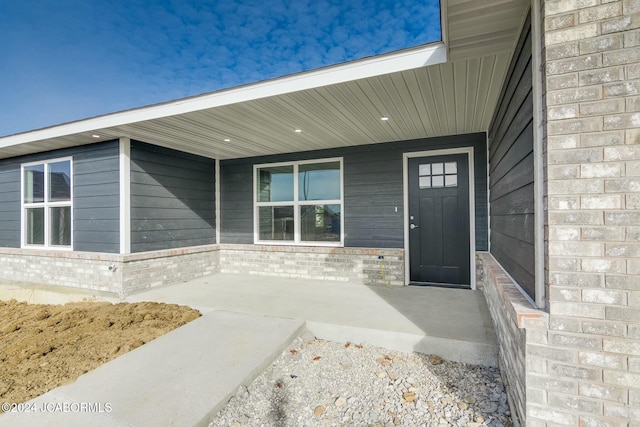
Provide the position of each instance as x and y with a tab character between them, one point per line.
472	205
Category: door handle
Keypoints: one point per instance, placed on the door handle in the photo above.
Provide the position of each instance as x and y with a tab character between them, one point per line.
413	226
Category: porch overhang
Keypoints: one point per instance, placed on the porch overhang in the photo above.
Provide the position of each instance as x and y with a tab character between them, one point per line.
444	88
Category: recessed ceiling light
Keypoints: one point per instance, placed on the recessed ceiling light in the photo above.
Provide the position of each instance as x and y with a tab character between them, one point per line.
384	118
95	136
227	140
298	131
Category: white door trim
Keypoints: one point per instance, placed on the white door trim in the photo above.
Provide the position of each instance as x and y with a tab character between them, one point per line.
472	211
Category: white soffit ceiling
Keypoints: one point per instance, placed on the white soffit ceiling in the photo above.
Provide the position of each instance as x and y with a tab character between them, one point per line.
335	106
482	27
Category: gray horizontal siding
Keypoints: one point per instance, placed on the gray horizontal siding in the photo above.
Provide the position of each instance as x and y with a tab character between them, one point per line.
373	182
9	204
172	198
511	170
236	201
373	188
95	196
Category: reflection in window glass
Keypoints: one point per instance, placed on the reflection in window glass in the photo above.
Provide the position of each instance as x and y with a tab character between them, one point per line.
275	184
320	223
425	182
34	184
299	202
276	222
35	226
319	181
47	204
437	175
60	225
451	167
59	181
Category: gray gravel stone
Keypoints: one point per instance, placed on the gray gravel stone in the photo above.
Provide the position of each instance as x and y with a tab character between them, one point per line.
363	385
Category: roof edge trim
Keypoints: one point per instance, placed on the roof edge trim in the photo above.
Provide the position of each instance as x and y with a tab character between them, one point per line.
406	59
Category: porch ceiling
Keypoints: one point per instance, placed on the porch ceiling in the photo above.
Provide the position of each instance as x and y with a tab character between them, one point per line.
482	27
421	94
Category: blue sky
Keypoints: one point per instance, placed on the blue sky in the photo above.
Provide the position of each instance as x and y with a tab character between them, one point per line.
64	60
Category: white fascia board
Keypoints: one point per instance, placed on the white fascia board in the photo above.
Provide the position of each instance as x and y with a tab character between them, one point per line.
422	56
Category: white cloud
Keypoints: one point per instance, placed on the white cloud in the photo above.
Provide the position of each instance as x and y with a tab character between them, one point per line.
73	59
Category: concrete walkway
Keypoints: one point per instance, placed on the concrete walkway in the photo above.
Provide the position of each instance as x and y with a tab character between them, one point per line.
180	379
184	377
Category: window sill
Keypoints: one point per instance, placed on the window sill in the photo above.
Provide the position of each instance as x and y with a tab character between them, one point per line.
48	248
307	244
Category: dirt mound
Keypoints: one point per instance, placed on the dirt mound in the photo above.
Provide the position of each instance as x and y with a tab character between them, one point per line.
44	346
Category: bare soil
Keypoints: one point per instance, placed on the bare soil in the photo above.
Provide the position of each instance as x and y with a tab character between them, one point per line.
45	346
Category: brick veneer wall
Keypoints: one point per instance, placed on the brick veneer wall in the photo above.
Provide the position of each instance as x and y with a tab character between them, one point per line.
124	274
82	270
592	67
148	269
323	263
519	327
111	273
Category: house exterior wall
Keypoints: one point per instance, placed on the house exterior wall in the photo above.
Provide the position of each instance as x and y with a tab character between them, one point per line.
589	371
113	274
172	199
123	274
518	327
578	362
373	188
95	196
360	265
511	263
511	165
156	268
9	203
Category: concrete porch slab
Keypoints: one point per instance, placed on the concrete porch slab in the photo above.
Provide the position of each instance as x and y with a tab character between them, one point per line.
453	323
184	377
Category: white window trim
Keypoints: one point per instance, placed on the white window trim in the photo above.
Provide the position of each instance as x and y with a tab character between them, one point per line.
46	205
296	204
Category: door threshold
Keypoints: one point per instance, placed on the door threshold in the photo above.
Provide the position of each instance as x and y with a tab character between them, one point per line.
440	285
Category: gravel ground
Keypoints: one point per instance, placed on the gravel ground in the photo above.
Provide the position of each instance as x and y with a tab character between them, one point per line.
321	383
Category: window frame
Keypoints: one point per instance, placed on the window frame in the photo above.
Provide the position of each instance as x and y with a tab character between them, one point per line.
297	204
46	205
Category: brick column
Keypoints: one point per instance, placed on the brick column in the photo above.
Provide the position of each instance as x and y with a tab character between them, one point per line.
592	80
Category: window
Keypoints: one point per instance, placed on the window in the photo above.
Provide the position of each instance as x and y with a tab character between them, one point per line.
299	202
46	204
438	175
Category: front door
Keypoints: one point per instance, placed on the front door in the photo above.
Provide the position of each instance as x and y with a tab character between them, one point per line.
439	220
